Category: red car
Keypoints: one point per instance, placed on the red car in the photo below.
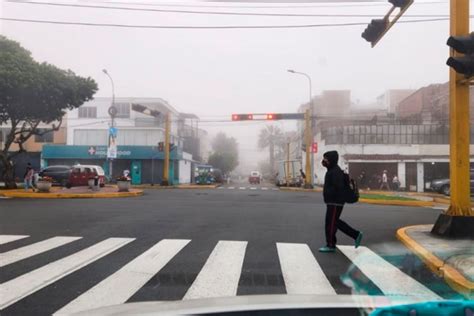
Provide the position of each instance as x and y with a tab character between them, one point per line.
254	177
81	174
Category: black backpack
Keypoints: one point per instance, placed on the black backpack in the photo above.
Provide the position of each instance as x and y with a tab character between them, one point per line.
351	190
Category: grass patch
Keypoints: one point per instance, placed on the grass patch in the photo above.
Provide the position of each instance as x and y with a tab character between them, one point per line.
385	197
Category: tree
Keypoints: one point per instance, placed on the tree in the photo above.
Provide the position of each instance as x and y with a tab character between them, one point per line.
31	94
269	137
225	155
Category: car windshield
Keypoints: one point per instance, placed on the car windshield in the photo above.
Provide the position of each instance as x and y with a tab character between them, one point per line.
236	156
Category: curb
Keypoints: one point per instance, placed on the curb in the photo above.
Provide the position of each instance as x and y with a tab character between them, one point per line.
300	189
52	195
398	202
452	276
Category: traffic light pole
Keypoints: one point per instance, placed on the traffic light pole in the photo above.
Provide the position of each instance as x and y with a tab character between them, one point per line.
458	221
166	164
308	139
459	120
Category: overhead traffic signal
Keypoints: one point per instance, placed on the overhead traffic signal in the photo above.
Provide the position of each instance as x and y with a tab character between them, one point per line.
462	45
400	3
242	117
374	30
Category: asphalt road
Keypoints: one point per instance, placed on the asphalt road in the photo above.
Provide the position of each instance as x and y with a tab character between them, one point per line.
229	240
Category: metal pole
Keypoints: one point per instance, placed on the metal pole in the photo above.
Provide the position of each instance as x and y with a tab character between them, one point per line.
112	117
308	182
459	121
166	165
288	164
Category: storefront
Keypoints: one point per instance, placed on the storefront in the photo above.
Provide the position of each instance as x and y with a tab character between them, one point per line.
145	163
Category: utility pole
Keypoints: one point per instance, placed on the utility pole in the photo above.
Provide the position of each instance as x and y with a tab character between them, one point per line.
288	164
166	164
308	140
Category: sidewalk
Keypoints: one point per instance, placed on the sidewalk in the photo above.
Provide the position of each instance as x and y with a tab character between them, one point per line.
72	193
452	259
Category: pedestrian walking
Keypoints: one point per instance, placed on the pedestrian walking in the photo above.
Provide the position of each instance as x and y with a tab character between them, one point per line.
333	193
28	177
384	184
395	183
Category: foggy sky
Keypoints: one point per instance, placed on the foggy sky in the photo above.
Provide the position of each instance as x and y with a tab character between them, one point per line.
214	73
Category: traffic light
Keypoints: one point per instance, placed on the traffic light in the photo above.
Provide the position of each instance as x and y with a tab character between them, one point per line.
172	146
462	45
375	30
314	148
242	117
400	3
161	146
273	116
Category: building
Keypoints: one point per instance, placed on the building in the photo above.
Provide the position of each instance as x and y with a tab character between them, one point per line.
391	98
137	139
408	143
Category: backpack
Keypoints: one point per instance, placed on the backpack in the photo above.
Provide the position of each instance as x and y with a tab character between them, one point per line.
351	190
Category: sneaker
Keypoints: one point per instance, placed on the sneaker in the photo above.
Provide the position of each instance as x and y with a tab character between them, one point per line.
327	249
358	240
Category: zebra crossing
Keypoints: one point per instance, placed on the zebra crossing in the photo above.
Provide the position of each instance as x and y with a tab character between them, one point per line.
248	188
218	277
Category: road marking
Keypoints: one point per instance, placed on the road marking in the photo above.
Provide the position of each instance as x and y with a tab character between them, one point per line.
34	249
221	273
231	188
9	238
253	188
389	279
26	284
242	188
220	188
264	188
120	286
301	271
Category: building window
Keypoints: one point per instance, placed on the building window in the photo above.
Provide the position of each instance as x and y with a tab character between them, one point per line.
123	110
88	112
44	138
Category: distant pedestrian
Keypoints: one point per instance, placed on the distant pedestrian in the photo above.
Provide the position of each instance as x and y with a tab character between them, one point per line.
333	193
384	184
28	177
395	183
362	180
126	174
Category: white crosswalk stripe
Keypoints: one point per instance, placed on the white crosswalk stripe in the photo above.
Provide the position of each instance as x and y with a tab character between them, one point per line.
9	238
242	188
34	249
121	285
16	289
301	271
220	275
390	280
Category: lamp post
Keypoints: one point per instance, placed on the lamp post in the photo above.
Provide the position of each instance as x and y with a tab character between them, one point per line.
112	113
309	126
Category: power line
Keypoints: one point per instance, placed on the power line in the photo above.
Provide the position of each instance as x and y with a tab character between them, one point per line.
195	27
217	12
264	6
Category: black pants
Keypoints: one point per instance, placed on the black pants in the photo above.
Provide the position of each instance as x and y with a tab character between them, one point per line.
333	223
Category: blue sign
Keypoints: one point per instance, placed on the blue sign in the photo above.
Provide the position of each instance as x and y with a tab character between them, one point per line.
100	152
113	131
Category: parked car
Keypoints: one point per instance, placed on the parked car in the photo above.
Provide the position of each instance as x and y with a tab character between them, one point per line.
60	174
443	185
254	177
81	174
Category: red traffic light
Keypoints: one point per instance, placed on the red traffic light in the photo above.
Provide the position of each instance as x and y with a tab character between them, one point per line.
249	117
270	117
235	117
314	148
242	117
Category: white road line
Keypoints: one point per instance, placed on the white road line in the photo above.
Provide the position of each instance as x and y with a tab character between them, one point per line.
221	273
301	271
264	188
231	188
220	188
26	284
120	286
9	238
242	188
253	188
389	279
34	249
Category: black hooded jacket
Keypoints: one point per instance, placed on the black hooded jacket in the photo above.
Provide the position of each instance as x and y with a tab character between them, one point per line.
333	191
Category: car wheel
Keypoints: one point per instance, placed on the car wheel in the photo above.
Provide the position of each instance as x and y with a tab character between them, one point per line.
68	185
446	189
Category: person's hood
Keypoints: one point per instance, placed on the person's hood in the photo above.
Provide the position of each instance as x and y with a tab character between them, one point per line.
332	157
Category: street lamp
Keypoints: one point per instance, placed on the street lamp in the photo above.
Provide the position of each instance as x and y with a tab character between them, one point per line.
112	113
311	115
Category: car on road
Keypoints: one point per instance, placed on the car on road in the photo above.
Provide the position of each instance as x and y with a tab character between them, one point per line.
255	177
81	174
59	173
443	186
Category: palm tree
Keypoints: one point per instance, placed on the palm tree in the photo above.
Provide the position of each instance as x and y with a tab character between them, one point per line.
269	137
